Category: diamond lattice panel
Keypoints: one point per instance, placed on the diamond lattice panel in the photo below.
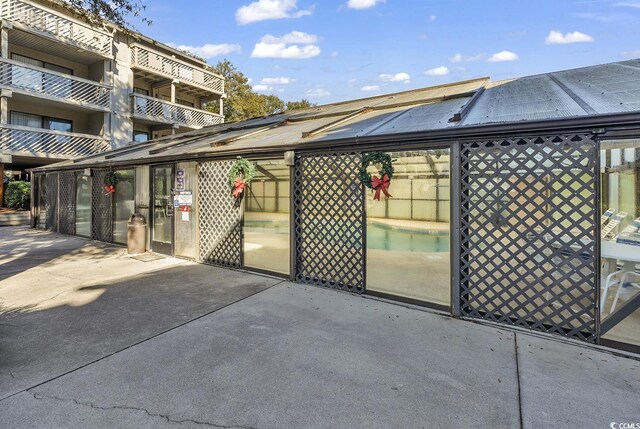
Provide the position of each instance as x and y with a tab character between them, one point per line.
51	204
101	208
220	228
528	255
67	219
329	221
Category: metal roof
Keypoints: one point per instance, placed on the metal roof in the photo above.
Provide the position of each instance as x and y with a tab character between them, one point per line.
595	90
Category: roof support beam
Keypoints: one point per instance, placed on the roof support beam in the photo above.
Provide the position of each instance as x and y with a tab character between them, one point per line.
464	111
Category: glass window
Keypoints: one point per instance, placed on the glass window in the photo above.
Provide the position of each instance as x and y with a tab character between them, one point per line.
125	205
141	91
620	240
26	120
140	136
57	124
83	205
266	218
408	234
37	121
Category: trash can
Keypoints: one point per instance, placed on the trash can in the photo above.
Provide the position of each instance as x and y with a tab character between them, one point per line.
136	234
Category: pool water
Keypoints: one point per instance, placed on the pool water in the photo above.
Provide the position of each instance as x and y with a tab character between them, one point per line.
379	236
406	240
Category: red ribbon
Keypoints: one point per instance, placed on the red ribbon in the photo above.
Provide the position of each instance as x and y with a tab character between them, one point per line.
380	185
238	187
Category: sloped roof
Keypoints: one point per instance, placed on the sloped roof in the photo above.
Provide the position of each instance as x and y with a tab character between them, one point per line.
595	90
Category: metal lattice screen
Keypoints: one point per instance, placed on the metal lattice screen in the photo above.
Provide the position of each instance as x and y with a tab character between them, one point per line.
528	249
219	220
51	203
67	190
329	221
101	208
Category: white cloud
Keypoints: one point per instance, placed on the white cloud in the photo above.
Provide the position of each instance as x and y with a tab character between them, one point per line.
277	80
438	71
262	10
631	54
362	4
209	50
370	88
292	37
459	58
557	38
316	93
334	54
286	46
502	56
432	18
632	4
262	88
398	77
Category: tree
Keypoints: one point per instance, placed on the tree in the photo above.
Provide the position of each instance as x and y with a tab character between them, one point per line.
96	12
243	102
297	105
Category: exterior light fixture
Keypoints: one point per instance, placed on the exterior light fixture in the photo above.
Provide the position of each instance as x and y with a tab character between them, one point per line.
289	157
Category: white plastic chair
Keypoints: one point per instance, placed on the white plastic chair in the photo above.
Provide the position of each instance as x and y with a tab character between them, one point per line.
627	274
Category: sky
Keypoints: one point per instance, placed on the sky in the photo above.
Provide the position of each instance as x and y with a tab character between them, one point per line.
333	50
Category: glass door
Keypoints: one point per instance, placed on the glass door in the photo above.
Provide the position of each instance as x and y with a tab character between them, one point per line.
83	205
162	209
266	219
408	254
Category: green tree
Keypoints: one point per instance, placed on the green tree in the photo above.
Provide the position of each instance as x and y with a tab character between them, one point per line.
243	102
297	105
96	12
17	195
273	104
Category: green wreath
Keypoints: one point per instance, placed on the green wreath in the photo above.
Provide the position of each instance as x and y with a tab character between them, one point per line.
386	166
110	182
241	174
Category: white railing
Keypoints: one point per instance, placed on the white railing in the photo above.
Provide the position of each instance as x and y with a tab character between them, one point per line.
66	88
49	143
52	23
157	110
156	62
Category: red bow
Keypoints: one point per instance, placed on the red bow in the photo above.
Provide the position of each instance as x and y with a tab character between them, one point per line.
380	185
238	187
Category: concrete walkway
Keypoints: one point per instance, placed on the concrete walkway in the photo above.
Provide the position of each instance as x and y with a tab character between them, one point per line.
160	346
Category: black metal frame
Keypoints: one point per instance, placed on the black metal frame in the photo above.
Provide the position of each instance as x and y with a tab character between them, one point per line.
506	282
220	219
319	187
101	207
159	247
67	202
622	125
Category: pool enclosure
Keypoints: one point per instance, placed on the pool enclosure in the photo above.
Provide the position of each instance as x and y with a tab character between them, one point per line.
512	203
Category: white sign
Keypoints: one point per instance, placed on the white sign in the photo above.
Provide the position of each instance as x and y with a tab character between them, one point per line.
183	198
185	216
179	180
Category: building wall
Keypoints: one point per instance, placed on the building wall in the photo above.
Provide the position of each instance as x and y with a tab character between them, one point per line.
79	70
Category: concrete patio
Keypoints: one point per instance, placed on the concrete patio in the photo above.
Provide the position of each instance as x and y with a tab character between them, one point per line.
92	338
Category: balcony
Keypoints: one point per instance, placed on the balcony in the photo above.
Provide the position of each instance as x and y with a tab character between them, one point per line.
153	64
54	86
49	23
41	143
156	111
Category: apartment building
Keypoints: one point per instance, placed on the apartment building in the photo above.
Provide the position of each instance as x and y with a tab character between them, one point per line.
68	90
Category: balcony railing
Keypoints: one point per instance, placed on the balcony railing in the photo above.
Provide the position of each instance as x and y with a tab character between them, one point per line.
50	84
172	68
53	24
156	110
15	139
